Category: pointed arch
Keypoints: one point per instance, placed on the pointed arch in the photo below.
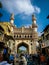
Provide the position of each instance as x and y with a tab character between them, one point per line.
23	44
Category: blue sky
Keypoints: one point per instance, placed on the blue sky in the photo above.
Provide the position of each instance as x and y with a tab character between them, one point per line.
23	10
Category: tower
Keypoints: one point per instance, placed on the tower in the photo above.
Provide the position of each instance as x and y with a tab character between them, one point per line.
35	35
12	23
34	25
12	19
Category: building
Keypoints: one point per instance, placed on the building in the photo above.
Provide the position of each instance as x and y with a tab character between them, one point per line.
44	39
23	36
5	33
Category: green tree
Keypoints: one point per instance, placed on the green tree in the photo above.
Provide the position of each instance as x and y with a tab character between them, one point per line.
19	50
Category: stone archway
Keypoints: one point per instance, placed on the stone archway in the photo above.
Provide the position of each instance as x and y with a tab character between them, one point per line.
25	45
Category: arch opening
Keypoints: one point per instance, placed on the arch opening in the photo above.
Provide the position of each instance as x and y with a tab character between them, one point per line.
23	48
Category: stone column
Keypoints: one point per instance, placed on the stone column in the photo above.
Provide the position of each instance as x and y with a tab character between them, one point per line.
33	48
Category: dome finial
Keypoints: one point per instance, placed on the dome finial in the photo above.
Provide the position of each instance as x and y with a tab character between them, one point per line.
12	18
33	17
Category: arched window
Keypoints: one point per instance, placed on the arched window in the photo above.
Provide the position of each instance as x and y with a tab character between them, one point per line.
31	41
25	36
20	36
14	36
17	36
30	36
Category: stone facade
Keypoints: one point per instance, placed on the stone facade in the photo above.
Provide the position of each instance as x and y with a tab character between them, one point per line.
44	39
27	37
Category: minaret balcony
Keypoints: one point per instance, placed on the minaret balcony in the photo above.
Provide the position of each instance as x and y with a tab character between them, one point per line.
34	25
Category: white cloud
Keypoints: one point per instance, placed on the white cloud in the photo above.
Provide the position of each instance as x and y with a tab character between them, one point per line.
20	6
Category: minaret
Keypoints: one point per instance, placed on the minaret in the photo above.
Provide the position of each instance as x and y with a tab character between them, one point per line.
35	34
34	25
12	22
12	19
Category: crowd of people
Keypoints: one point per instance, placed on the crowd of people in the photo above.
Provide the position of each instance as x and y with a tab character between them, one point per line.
6	58
3	58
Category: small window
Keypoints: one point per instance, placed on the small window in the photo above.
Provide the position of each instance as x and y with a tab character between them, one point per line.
25	36
28	36
20	36
31	36
17	36
14	36
31	41
13	43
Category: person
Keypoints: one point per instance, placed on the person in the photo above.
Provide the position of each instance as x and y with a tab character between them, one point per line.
20	60
23	60
42	59
2	61
11	58
48	59
6	54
